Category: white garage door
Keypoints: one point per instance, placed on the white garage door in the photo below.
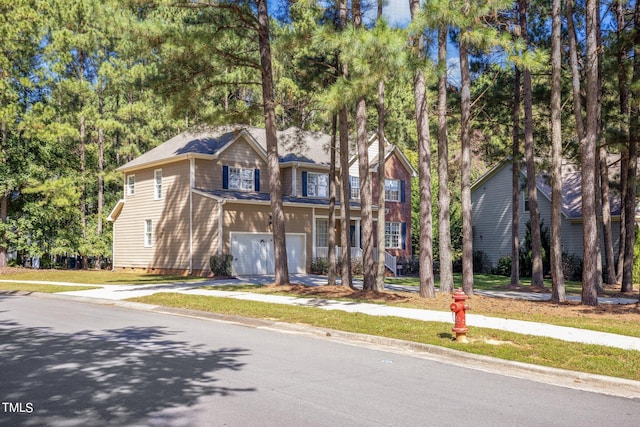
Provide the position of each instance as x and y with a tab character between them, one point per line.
253	253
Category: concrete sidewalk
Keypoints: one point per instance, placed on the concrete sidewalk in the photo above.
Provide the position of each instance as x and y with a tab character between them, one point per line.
123	292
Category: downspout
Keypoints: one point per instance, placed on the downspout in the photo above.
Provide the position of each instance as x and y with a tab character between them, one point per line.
220	223
192	168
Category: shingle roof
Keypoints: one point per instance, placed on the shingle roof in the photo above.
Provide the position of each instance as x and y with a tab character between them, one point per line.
204	142
571	188
572	193
294	145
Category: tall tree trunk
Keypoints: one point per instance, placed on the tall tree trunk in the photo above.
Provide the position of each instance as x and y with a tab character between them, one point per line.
4	199
333	184
444	198
381	269
588	154
465	141
345	212
634	131
100	171
515	183
273	163
557	275
623	94
366	196
575	70
536	241
83	185
610	272
427	289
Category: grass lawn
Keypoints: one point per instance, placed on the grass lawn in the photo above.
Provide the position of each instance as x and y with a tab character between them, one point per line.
485	282
538	350
51	289
506	345
97	277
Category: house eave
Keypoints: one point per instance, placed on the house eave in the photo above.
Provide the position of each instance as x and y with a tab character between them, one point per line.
174	159
115	212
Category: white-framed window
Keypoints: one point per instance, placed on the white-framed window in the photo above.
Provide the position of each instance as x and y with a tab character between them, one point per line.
525	197
392	235
322	236
131	185
157	184
317	184
148	233
355	187
241	179
392	190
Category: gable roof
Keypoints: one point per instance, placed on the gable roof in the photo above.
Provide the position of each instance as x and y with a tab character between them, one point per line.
294	145
389	150
571	188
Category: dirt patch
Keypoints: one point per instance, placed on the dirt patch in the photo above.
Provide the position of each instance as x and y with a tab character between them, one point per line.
479	304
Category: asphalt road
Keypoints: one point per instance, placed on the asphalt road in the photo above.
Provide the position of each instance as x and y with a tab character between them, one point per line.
69	363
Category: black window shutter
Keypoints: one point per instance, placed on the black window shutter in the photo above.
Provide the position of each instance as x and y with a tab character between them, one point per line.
256	179
403	234
304	184
225	177
403	197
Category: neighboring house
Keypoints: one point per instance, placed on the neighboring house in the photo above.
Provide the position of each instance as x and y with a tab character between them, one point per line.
492	211
203	193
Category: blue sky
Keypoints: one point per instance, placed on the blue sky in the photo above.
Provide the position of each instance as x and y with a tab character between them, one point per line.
397	12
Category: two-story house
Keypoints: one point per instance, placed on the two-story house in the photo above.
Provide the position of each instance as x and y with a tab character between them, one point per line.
207	192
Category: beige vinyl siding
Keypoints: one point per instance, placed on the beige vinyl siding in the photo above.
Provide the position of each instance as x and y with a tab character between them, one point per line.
239	217
208	173
286	178
170	217
205	231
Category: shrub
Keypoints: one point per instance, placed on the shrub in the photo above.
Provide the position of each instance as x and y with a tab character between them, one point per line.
571	266
479	261
503	267
319	266
221	264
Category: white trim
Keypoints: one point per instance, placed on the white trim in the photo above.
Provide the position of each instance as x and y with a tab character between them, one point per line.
130	189
157	196
147	243
115	212
294	180
250	140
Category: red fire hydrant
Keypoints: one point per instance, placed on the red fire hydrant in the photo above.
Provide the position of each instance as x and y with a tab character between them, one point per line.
458	307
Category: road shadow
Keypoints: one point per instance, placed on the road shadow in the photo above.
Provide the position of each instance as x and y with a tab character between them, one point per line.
124	376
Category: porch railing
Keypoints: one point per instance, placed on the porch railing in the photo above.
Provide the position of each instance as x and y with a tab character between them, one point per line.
390	261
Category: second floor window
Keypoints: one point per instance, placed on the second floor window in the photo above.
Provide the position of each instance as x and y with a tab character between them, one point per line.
131	185
355	187
241	179
157	184
392	190
317	184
